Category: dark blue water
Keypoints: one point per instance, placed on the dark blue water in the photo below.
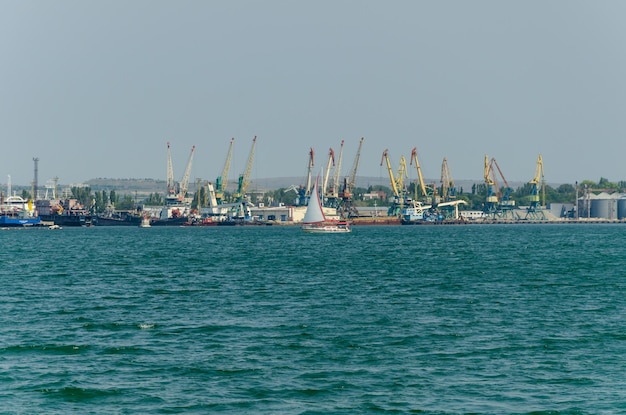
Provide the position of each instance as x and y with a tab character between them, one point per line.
512	319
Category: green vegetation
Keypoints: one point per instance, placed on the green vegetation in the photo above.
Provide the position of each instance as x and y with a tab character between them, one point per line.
127	198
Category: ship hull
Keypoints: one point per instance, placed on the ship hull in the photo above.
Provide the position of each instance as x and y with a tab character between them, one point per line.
125	221
68	220
15	222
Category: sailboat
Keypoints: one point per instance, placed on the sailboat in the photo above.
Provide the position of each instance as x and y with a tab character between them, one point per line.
315	221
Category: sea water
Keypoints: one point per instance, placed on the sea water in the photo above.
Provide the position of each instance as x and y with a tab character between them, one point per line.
485	319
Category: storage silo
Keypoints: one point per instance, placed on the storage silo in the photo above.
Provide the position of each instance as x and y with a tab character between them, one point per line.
621	208
603	208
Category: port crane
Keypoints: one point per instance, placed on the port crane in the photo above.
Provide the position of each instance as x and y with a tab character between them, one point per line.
448	190
535	210
396	182
222	181
304	192
242	209
332	195
184	184
491	200
425	195
244	178
504	206
176	192
170	183
347	208
329	164
449	205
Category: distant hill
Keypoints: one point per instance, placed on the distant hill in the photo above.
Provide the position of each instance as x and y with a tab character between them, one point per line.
147	186
123	186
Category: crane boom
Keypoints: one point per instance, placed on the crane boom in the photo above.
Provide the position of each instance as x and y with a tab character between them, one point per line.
492	197
535	182
447	184
184	184
422	186
331	162
307	189
355	166
495	163
171	184
538	171
402	173
337	176
534	209
392	179
487	175
505	203
222	181
244	179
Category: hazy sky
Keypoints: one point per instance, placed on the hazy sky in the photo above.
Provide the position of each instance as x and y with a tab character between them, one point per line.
97	89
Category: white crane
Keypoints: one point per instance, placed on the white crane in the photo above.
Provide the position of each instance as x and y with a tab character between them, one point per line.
184	184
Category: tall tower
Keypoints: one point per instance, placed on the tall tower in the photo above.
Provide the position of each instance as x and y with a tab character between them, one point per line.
35	184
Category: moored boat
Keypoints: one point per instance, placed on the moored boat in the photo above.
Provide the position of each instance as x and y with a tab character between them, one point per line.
18	212
145	222
67	212
122	219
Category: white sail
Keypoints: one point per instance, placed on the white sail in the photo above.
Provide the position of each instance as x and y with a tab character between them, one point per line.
314	220
314	212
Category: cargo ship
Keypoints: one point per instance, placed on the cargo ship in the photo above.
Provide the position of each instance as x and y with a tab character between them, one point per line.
67	212
17	212
118	219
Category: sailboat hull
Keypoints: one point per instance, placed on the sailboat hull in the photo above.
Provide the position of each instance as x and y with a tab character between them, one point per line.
316	222
326	228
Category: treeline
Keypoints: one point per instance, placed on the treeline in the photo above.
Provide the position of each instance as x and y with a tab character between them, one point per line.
101	200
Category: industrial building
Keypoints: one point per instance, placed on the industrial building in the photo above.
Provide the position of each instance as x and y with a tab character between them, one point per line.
602	206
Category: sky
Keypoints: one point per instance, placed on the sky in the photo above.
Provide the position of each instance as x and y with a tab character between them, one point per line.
96	89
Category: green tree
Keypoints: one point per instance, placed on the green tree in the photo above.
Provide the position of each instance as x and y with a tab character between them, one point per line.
154	199
127	202
113	198
82	195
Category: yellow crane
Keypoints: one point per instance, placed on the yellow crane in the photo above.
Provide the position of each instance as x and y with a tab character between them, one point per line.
244	179
499	200
355	166
331	162
392	178
448	191
420	178
184	184
534	210
491	200
241	208
222	181
396	182
402	174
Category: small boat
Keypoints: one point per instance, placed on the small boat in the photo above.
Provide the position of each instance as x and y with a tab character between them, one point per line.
54	227
316	222
145	222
